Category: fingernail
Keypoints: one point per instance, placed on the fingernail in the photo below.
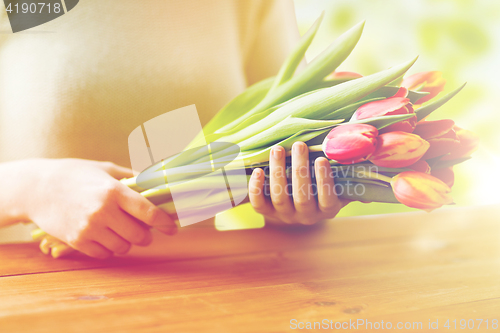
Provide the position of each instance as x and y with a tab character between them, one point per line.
277	153
256	173
298	148
167	230
325	166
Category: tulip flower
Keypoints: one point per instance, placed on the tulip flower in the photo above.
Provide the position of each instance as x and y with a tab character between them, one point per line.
446	175
431	82
350	143
420	166
398	149
343	75
469	143
419	190
441	136
388	107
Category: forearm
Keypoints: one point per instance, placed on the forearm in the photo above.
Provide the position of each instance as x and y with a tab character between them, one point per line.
15	191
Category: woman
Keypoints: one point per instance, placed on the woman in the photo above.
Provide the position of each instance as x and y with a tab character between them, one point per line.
73	89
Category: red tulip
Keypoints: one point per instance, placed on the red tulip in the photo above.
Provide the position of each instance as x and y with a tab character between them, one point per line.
419	190
440	135
388	107
402	92
343	75
420	166
469	142
446	175
431	82
350	143
398	149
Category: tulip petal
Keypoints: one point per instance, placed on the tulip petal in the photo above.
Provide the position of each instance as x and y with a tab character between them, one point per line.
350	143
420	166
433	129
426	110
446	175
398	149
431	82
390	91
419	190
402	92
381	108
343	75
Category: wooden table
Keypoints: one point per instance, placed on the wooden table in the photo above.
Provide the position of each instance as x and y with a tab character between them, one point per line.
400	268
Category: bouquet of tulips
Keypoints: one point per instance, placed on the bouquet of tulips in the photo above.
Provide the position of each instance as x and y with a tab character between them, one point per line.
373	129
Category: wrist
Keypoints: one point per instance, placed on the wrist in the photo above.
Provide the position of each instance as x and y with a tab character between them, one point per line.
17	190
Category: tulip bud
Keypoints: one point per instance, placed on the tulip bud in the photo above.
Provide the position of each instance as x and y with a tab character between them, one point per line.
398	149
446	175
440	135
388	107
469	142
350	143
431	82
343	76
420	166
419	190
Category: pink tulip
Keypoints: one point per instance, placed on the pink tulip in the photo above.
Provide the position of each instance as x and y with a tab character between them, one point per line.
343	75
446	175
431	82
388	107
398	149
469	142
420	166
350	143
419	190
440	135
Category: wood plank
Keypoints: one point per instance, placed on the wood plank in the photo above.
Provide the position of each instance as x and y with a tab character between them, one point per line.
436	269
203	241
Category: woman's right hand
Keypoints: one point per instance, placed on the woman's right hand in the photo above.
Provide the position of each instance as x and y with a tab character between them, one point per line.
83	203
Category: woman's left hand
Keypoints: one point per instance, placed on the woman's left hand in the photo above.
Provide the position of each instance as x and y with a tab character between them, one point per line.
302	207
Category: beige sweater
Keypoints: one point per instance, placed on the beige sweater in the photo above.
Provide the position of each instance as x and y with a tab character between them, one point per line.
78	85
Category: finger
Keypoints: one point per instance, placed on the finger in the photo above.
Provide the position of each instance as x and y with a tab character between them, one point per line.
328	202
94	250
110	240
256	193
278	183
303	198
142	209
61	250
116	171
130	229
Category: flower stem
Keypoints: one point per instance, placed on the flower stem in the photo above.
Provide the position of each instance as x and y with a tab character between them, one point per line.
374	175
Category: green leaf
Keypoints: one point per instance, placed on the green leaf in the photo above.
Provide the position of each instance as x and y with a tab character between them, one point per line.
331	83
426	110
383	121
239	105
295	57
369	192
253	119
257	156
320	103
347	111
440	164
284	129
315	72
389	91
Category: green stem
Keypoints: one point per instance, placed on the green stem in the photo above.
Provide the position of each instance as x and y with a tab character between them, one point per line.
374	175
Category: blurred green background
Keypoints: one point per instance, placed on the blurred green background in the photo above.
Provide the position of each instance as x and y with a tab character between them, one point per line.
460	38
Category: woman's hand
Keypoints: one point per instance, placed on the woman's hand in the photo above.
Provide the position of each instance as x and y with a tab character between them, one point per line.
304	208
83	204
